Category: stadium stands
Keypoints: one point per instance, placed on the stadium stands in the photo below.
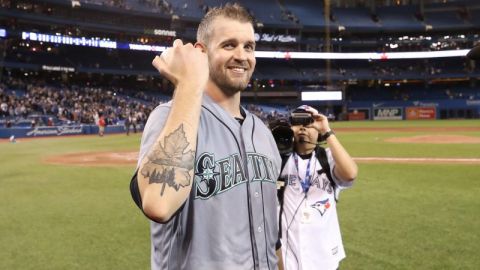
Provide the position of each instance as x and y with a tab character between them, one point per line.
389	28
307	13
393	18
356	19
268	12
445	20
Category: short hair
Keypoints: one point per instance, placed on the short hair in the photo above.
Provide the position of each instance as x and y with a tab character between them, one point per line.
230	11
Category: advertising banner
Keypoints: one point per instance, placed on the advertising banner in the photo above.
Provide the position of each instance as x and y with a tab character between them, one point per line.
417	113
393	113
358	114
43	131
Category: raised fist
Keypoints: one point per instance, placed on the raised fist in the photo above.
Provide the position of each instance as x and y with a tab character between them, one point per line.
183	63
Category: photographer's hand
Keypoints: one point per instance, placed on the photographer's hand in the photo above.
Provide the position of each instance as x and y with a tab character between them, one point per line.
345	168
320	121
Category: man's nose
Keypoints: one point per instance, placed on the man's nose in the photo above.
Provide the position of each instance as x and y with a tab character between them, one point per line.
240	54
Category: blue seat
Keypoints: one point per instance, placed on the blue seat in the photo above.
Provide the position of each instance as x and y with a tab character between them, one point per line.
399	18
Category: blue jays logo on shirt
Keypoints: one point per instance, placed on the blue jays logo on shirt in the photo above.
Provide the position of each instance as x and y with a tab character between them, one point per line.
213	177
321	206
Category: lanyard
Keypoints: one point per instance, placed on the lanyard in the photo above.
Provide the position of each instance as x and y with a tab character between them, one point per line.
306	181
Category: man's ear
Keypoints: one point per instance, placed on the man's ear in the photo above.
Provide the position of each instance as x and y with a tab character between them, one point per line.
201	46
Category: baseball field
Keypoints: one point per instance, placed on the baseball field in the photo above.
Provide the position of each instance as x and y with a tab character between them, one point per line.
65	202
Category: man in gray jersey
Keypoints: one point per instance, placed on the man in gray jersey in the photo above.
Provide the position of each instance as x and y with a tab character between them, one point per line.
207	169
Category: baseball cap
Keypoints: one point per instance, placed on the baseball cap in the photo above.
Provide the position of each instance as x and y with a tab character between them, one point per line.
302	108
300	116
474	53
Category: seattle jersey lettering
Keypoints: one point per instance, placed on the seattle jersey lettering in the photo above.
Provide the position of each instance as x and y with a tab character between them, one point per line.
213	177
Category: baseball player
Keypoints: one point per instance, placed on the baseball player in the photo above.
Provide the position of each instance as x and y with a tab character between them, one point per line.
207	169
310	233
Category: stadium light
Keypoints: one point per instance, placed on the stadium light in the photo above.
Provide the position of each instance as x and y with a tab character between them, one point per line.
321	95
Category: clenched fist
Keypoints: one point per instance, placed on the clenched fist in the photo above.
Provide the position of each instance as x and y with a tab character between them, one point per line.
183	64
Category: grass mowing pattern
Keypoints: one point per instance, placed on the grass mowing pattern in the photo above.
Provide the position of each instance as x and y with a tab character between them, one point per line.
67	217
412	216
397	216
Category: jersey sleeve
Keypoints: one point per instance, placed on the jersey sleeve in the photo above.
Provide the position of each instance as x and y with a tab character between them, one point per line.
153	127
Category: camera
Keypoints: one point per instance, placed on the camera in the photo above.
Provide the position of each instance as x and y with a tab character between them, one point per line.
282	128
283	135
301	119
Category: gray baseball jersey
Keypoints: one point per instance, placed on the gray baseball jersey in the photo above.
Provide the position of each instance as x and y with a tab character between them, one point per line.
229	221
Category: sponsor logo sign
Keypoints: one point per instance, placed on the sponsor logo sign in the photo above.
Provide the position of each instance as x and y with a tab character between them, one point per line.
358	114
161	32
55	131
275	38
395	113
416	113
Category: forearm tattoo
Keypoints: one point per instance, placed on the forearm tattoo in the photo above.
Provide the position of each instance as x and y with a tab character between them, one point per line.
170	164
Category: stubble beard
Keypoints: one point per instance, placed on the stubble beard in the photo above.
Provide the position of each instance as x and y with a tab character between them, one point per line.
228	86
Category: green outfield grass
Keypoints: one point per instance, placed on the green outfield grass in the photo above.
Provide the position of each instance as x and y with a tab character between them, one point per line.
397	216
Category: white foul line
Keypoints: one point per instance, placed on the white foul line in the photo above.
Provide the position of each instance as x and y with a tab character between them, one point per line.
426	160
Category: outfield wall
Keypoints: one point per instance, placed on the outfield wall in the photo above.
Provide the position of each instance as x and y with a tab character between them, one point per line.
20	132
414	110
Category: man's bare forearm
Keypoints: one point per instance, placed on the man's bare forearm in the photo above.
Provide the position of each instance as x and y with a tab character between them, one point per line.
170	163
166	172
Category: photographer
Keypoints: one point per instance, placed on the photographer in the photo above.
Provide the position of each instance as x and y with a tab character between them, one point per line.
312	177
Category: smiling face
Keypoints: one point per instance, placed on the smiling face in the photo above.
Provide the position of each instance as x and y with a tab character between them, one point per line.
231	58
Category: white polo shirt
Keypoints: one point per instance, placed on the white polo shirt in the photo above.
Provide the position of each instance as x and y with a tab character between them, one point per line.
311	236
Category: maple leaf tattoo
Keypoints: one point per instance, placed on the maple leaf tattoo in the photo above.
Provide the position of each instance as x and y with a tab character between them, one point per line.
169	163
